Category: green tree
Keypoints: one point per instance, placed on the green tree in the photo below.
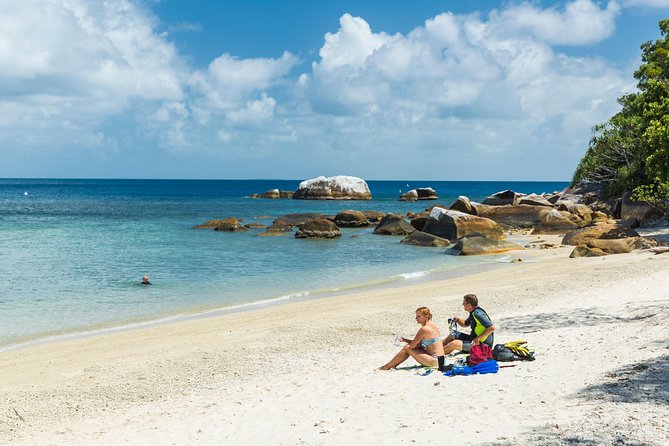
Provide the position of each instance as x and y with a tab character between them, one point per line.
631	150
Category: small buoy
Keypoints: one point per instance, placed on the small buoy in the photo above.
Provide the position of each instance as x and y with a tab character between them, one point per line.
25	193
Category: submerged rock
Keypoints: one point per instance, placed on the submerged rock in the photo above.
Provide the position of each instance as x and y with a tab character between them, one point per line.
230	225
333	188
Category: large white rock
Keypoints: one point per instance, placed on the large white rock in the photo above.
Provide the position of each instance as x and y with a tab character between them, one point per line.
333	188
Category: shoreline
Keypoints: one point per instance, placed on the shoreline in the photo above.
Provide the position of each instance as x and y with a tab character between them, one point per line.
308	367
199	313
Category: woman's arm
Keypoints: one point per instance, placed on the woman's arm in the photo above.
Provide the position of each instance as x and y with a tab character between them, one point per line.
419	337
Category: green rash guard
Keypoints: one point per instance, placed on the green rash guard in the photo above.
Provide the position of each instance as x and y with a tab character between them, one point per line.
479	320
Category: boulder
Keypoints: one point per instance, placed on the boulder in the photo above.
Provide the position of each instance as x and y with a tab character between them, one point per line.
374	216
230	225
333	188
298	219
454	225
502	198
393	224
418	221
535	200
584	251
273	193
478	244
419	238
254	196
582	211
555	222
318	228
351	219
516	216
600	231
641	210
601	247
422	193
463	204
286	194
411	195
623	245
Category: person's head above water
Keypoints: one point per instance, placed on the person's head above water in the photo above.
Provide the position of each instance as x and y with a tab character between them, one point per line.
145	279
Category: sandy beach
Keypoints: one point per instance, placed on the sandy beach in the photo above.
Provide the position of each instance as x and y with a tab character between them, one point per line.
305	373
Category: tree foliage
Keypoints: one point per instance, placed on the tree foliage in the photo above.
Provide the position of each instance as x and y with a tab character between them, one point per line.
631	150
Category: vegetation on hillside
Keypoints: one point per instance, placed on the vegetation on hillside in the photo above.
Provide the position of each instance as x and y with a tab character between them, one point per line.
631	150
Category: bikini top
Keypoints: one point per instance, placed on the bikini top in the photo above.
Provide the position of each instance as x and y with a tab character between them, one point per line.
427	342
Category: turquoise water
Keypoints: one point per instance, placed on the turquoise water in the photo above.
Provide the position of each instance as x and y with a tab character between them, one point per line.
72	252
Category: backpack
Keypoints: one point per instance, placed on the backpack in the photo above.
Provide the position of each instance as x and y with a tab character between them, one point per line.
479	353
512	351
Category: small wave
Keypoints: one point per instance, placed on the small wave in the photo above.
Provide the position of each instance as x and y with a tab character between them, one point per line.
413	275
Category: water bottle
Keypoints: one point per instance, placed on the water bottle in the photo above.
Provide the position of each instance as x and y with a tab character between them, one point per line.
398	339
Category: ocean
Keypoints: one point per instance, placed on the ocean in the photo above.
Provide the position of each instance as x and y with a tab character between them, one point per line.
73	251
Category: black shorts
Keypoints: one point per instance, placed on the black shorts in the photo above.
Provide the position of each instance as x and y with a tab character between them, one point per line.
466	341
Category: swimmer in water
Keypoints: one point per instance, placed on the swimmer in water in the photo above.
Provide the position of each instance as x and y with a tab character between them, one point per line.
145	280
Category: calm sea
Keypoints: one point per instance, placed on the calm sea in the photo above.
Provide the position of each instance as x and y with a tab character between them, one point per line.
72	252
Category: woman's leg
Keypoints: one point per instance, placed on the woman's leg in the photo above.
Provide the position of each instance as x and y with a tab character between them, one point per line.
422	357
398	359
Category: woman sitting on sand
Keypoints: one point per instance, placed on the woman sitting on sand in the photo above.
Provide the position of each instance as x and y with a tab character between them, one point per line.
425	346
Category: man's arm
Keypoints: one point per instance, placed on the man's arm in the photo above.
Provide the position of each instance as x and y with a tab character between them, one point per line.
484	335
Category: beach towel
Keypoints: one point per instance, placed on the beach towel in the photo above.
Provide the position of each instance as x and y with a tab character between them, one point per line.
490	366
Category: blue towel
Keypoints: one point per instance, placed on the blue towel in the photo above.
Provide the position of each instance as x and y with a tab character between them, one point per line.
481	369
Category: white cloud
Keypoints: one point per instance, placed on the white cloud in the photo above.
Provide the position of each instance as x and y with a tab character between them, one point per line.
581	23
229	81
99	75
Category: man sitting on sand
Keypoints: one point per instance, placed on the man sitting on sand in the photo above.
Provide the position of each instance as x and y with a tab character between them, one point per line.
480	323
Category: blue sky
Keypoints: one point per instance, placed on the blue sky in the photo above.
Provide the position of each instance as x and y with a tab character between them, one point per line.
443	90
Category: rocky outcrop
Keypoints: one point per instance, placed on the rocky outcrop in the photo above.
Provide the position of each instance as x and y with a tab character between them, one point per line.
518	216
478	245
273	193
286	194
211	224
351	219
419	238
422	193
581	211
601	247
333	188
298	219
255	226
502	198
277	229
600	231
374	216
535	200
318	228
393	224
641	210
411	195
555	222
453	225
230	225
463	204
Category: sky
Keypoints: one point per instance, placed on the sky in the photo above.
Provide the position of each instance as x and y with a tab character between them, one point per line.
294	89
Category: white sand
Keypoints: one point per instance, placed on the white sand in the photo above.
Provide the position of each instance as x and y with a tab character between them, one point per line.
304	373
